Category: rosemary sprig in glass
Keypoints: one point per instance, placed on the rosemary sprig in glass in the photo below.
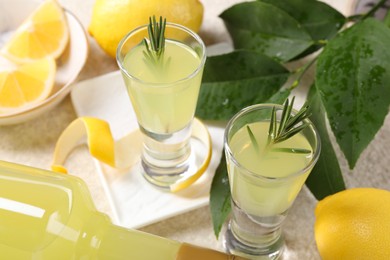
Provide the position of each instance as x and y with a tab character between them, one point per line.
289	126
155	46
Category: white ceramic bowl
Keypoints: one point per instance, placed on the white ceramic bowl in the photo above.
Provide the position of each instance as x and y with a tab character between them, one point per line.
69	65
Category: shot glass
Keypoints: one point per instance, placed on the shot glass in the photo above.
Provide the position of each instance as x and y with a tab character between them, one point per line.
264	180
164	101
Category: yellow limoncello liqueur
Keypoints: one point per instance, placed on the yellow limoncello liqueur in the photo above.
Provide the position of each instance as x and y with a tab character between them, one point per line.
46	215
164	100
270	150
266	163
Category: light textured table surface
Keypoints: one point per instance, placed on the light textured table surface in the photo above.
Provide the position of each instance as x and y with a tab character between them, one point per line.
32	143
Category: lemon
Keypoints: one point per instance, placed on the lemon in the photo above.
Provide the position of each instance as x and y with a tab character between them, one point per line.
120	154
45	33
354	224
113	19
24	85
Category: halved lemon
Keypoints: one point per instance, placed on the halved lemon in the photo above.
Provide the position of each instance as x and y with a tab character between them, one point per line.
24	85
44	33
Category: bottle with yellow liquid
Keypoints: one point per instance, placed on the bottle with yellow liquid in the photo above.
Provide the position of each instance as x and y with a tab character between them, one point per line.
46	215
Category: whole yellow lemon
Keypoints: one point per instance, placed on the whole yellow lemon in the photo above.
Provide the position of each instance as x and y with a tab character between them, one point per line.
354	224
113	19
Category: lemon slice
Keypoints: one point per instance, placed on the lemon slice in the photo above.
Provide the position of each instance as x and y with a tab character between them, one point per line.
44	34
24	85
121	154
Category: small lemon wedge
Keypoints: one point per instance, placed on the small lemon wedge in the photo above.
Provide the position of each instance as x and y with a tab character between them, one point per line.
44	33
121	154
22	86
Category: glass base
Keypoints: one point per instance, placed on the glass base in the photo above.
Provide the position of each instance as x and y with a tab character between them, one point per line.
164	173
254	237
236	247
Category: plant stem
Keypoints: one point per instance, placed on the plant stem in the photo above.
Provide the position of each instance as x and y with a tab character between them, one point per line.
301	71
322	42
359	17
374	9
355	17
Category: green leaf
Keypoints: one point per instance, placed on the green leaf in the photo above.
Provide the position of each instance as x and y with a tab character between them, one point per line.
353	75
236	80
267	29
326	177
320	20
279	97
220	205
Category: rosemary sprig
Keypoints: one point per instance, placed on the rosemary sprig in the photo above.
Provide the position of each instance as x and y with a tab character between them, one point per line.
155	46
289	126
253	139
290	150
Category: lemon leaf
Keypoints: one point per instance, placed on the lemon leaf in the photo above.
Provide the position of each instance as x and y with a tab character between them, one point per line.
319	19
326	177
266	29
235	80
220	205
352	77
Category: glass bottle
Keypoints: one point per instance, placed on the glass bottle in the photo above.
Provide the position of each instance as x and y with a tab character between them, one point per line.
46	215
